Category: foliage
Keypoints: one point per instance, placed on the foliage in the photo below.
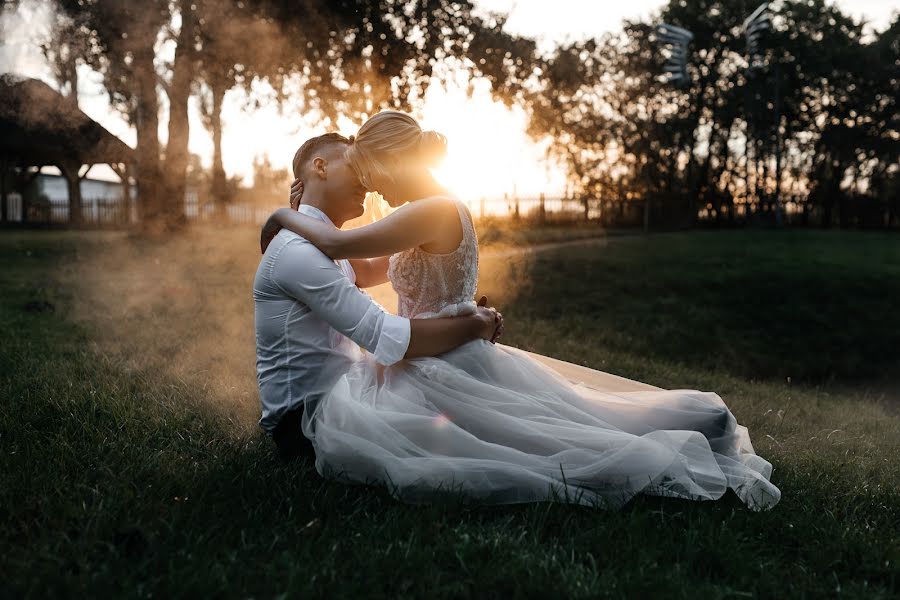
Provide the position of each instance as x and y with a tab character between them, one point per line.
712	146
625	135
348	58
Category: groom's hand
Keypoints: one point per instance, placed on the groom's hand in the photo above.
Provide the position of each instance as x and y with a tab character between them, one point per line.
296	193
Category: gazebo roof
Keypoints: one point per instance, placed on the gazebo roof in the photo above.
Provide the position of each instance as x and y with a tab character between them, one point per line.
38	126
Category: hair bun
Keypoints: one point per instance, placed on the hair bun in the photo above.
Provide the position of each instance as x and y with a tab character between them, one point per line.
432	148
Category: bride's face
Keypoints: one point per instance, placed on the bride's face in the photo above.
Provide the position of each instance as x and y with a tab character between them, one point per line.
400	186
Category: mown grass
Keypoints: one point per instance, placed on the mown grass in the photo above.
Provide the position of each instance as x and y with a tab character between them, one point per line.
496	232
131	465
814	306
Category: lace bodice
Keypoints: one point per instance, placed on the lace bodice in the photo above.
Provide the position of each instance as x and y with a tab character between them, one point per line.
437	285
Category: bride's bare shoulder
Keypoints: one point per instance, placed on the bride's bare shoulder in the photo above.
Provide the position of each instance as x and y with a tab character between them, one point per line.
433	206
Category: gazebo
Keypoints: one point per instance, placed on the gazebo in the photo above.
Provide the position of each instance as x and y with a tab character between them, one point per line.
39	127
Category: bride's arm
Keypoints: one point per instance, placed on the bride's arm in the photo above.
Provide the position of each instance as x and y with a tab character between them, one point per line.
411	225
369	271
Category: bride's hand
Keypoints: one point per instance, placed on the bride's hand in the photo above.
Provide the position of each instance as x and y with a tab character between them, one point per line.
268	233
490	323
296	193
498	331
273	226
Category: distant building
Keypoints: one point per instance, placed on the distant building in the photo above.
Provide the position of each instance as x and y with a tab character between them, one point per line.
40	128
47	196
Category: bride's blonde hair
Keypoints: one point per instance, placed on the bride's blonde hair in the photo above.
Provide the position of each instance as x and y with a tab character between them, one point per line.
389	139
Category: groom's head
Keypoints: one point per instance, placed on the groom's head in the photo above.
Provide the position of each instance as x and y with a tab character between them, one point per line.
328	180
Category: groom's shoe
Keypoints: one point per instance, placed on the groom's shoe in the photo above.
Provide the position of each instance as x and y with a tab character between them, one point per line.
289	438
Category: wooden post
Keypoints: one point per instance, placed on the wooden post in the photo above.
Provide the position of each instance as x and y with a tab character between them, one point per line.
28	179
123	170
94	212
542	211
73	183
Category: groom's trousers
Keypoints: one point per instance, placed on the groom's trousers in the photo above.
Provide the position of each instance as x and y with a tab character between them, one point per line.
289	438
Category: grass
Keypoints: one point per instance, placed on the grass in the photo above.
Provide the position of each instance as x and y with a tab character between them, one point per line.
500	233
131	464
814	306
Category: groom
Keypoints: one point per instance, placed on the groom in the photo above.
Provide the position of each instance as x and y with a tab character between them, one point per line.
311	316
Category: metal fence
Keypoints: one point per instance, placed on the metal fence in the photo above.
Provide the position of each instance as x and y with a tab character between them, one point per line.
540	208
536	208
96	212
112	212
106	212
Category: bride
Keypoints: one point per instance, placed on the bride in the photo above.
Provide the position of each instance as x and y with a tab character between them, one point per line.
489	422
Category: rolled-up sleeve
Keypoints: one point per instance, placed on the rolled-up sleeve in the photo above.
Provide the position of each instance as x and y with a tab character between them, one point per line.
305	273
393	339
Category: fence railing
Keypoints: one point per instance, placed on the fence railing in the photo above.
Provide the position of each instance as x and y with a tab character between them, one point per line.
541	209
97	212
537	208
104	212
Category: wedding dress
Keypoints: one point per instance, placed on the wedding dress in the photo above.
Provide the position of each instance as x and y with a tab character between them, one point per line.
493	424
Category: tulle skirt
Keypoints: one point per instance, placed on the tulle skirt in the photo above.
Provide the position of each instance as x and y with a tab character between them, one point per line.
492	424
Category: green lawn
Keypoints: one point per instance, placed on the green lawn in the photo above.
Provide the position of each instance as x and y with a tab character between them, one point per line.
131	464
818	307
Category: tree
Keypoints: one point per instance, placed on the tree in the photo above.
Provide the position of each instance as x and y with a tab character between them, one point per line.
120	40
624	133
351	58
65	53
226	33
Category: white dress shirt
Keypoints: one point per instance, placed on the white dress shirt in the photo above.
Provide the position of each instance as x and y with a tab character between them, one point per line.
307	311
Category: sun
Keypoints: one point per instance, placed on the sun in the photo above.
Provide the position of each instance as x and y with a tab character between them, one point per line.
489	153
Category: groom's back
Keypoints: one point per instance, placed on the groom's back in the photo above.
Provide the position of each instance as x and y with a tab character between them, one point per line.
299	356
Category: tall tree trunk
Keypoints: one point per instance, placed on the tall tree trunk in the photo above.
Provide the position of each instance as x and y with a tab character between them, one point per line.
757	177
705	185
219	182
827	215
73	82
3	178
843	200
69	80
693	180
147	126
179	91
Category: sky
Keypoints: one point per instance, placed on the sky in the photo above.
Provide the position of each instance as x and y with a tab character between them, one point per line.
505	160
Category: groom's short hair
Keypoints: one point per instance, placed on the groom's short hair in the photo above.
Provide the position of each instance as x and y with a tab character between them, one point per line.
313	146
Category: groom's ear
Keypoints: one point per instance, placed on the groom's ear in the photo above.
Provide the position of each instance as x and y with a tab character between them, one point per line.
320	167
